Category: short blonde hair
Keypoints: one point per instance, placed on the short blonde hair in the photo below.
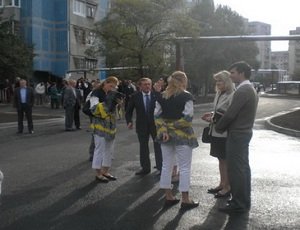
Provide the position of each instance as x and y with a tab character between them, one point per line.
110	79
177	83
224	76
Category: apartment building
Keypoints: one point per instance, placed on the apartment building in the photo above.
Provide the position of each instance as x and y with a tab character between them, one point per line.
60	31
280	60
294	54
264	47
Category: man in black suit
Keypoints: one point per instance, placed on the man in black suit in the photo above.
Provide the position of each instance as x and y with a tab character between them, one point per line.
144	103
23	101
72	104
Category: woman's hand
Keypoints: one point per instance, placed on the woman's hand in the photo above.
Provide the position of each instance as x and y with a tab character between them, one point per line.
165	137
207	116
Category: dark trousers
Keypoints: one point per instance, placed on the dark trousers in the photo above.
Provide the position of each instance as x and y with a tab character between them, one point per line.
27	109
239	173
69	116
145	153
77	117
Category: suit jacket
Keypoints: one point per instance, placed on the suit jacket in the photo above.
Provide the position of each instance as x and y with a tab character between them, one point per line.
69	98
144	121
29	97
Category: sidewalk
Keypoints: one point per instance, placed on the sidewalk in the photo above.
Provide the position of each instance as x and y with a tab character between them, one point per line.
9	114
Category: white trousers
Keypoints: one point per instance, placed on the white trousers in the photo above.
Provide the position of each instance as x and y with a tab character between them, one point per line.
184	162
102	153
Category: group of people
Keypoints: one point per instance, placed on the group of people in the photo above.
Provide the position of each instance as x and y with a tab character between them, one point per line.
165	112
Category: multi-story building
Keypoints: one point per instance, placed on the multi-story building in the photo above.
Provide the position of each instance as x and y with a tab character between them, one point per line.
294	54
60	31
280	59
264	47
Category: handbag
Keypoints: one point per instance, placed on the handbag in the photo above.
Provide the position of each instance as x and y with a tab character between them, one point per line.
206	135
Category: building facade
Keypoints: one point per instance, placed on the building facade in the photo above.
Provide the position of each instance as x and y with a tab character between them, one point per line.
294	54
280	60
264	47
60	31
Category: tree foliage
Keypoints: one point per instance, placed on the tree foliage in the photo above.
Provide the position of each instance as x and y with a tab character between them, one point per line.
138	33
15	56
202	59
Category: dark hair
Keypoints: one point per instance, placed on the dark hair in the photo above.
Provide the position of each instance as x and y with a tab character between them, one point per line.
242	67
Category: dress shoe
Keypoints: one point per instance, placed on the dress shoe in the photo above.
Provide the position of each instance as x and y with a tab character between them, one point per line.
19	132
110	177
214	190
169	203
101	179
231	209
31	132
187	206
142	172
222	195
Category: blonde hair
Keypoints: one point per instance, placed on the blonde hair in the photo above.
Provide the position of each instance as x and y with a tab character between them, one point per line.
177	83
110	79
224	76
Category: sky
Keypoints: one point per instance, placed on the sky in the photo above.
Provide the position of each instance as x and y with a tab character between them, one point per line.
283	16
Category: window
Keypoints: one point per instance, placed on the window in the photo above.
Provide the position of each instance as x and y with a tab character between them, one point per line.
84	63
79	8
90	10
90	38
80	35
9	3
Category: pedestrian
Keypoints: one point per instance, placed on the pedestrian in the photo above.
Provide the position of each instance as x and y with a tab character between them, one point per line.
223	97
173	119
104	128
23	102
40	90
54	96
144	103
72	103
238	121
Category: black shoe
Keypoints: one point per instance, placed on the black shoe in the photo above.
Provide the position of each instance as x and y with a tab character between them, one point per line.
142	172
78	128
169	203
31	132
110	177
230	209
101	179
187	206
214	190
19	132
222	195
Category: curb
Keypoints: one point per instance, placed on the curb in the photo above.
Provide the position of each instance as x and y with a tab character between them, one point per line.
277	128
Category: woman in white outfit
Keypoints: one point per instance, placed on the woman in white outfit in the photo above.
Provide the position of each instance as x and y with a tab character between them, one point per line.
173	119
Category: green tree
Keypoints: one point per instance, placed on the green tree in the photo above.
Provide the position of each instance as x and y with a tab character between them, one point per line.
205	58
16	58
138	33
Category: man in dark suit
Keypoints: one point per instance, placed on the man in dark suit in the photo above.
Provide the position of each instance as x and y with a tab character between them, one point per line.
23	101
144	103
72	104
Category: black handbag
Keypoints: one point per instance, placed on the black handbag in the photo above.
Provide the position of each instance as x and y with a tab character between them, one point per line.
206	135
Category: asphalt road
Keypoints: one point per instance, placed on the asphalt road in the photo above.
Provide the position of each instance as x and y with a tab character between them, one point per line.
49	183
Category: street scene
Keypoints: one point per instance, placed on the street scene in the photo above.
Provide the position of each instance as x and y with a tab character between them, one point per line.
49	183
149	115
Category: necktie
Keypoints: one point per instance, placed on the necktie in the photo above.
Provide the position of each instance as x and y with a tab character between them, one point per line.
147	100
